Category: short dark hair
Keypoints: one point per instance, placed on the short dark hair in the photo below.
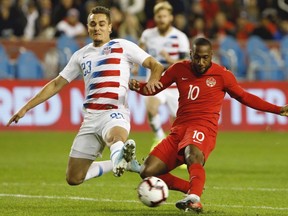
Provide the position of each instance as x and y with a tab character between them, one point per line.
101	10
201	41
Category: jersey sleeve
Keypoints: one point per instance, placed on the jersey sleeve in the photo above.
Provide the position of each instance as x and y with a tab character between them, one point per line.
72	70
134	53
246	98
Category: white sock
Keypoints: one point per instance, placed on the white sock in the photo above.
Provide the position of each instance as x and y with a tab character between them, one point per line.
156	125
115	150
98	169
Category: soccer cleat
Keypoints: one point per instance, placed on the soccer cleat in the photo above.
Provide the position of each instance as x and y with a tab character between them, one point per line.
126	154
190	203
120	164
129	150
133	166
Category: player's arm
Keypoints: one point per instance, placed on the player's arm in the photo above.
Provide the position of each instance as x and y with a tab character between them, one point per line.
141	88
254	101
50	89
156	72
135	68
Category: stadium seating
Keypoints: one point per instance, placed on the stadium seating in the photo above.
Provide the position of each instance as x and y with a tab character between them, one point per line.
28	66
66	46
263	64
284	54
232	56
6	70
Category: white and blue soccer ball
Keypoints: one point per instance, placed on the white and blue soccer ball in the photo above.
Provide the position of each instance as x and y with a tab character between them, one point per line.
153	191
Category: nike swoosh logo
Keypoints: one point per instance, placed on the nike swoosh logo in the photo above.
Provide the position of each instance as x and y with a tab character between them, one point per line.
183	78
85	56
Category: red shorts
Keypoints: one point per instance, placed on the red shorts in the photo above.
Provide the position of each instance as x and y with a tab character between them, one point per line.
171	149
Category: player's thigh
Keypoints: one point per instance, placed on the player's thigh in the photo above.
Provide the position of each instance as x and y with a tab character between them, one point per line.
201	137
166	151
77	167
87	146
116	126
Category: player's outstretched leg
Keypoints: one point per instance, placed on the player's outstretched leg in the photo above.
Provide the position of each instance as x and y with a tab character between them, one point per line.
126	155
190	203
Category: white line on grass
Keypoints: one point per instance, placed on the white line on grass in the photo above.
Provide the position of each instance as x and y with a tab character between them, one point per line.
249	189
100	185
129	201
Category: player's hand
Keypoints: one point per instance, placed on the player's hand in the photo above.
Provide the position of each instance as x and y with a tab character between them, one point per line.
284	110
134	85
15	118
152	85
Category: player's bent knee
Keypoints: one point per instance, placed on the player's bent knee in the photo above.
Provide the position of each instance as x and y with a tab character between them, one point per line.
73	181
146	172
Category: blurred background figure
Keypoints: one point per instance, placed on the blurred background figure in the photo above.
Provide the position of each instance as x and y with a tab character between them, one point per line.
71	26
60	10
32	15
12	20
45	27
168	45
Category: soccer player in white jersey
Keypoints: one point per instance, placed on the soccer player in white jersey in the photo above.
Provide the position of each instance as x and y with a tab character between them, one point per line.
168	45
105	66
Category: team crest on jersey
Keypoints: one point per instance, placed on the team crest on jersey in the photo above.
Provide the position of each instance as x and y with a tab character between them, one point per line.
210	82
107	50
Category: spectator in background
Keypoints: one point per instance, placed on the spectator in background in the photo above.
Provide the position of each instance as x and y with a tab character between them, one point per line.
134	7
181	23
12	20
60	10
117	20
71	26
130	29
221	27
197	28
243	26
45	28
283	27
45	6
85	10
32	15
266	29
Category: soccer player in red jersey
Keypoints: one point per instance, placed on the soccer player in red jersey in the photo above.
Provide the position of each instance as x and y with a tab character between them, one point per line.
202	85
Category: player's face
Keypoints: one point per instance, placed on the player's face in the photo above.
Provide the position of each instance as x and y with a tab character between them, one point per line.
163	20
201	57
99	28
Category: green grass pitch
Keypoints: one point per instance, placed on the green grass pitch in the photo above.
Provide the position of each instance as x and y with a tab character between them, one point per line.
247	174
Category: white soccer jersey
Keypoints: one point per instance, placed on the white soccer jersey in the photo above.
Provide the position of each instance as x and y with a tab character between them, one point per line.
106	72
174	43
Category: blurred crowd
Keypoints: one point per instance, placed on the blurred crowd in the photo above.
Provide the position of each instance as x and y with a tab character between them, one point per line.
64	21
47	19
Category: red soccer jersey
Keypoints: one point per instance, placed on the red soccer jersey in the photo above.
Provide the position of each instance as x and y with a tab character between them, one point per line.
201	96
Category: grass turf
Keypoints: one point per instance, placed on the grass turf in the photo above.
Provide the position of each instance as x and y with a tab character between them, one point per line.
246	175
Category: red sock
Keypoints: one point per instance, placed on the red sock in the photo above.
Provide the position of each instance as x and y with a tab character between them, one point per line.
175	183
197	179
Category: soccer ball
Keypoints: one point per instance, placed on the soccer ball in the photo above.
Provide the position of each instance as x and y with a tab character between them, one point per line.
153	191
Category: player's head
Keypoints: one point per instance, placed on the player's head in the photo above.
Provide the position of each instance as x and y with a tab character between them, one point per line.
99	25
201	55
163	16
